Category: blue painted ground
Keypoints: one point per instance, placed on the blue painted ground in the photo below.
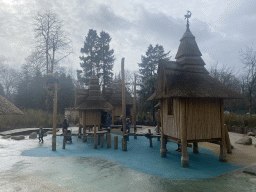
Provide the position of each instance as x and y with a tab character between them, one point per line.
142	158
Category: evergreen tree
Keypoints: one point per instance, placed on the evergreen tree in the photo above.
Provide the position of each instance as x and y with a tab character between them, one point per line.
148	72
107	58
90	62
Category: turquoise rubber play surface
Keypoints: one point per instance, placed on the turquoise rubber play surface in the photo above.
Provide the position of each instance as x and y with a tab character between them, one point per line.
140	157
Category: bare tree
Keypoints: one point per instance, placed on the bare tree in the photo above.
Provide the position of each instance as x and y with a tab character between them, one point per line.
9	78
248	58
52	41
34	63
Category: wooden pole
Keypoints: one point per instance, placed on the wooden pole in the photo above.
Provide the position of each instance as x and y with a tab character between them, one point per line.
108	140
64	139
95	133
158	123
223	148
163	138
150	138
183	133
84	126
115	142
195	147
54	117
123	107
134	108
229	151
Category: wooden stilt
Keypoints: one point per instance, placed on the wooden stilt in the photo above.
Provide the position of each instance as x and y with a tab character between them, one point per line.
84	126
95	138
115	142
223	148
79	131
64	139
229	150
108	140
158	123
102	141
99	139
150	139
195	147
135	131
163	138
183	132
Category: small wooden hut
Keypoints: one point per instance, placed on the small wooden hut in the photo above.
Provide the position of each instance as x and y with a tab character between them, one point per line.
191	101
92	106
115	99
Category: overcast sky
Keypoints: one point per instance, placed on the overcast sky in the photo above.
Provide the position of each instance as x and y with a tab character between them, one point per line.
221	27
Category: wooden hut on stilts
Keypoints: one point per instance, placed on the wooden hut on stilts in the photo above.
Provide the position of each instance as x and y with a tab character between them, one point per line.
92	106
191	101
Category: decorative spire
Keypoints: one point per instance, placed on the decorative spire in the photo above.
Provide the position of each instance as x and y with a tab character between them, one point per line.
189	55
187	17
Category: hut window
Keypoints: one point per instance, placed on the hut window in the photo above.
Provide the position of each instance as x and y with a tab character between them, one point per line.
170	106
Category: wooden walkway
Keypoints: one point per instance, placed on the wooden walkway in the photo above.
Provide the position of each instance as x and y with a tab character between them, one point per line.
22	131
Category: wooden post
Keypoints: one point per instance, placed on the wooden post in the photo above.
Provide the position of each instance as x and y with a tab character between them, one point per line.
134	109
108	140
79	130
163	138
99	139
115	142
229	151
123	107
223	148
150	138
95	133
195	147
102	141
54	117
183	133
64	139
158	123
84	126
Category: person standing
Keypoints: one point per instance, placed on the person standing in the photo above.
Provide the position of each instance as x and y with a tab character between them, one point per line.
128	127
41	135
64	125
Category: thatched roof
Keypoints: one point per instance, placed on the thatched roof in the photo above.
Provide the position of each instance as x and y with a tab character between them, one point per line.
116	97
187	77
93	99
7	108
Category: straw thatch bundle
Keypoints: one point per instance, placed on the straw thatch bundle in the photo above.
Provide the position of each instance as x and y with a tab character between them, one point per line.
7	108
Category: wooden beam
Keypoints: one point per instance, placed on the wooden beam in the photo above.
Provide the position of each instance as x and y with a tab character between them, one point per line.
54	117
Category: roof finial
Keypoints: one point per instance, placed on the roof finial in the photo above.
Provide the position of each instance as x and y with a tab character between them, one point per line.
187	17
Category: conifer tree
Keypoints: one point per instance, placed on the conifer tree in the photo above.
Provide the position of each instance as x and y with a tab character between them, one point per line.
90	62
107	58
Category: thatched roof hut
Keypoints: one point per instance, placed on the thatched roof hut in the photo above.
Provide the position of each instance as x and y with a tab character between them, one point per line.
7	108
191	100
92	104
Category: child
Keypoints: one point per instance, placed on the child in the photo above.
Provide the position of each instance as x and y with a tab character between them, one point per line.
128	126
41	135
